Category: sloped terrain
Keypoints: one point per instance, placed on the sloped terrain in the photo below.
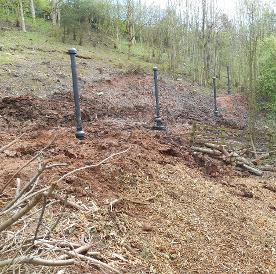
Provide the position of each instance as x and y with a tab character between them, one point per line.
154	208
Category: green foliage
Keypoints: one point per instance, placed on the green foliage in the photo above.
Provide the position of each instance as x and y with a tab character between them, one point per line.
43	5
267	78
83	16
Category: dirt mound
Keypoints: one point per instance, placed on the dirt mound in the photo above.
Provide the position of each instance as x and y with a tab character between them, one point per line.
164	211
163	208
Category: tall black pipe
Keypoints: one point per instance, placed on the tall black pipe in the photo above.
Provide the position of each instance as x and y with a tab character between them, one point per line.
215	97
158	122
79	131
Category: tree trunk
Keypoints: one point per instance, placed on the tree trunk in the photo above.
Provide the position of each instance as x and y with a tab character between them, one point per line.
54	12
58	17
22	16
130	27
32	9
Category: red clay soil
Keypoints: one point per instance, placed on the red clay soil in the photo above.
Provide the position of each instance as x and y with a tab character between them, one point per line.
174	214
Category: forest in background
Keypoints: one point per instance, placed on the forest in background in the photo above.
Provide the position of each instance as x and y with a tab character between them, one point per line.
190	39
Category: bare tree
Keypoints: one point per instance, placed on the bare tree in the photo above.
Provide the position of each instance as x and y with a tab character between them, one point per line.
22	19
32	9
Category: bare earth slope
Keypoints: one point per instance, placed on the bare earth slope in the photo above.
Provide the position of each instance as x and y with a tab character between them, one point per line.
171	214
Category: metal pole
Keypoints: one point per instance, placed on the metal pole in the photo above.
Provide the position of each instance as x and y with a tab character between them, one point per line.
215	97
228	80
158	122
79	132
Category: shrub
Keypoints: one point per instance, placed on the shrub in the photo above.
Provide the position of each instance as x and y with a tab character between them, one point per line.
266	84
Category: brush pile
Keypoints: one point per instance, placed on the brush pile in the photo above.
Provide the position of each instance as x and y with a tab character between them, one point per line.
35	225
239	159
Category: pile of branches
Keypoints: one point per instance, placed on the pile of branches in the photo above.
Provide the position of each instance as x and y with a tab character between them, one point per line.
237	158
28	225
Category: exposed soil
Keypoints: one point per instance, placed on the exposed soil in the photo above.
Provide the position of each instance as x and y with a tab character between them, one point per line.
175	214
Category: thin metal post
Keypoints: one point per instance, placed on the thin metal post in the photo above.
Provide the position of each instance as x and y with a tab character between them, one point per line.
215	97
79	132
228	80
158	122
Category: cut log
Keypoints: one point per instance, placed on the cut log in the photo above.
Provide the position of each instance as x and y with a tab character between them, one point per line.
213	146
244	160
221	148
251	169
207	151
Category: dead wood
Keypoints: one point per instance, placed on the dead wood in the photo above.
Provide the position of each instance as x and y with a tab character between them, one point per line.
36	261
251	169
25	210
76	254
2	149
221	153
80	250
28	163
21	213
40	220
16	202
69	203
207	151
91	166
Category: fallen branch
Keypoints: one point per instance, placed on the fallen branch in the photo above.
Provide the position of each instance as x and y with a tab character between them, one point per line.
244	160
57	220
91	166
58	243
220	148
24	189
25	210
76	254
261	158
21	213
207	151
2	149
79	250
40	220
251	169
27	198
36	261
230	157
13	203
70	203
18	186
27	164
93	261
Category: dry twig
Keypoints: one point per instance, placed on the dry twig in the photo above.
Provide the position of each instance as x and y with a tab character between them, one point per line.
3	148
27	164
91	166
